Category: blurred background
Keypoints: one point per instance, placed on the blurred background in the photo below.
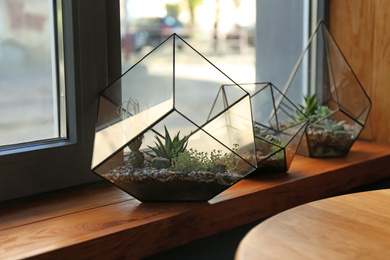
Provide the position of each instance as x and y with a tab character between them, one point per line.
220	29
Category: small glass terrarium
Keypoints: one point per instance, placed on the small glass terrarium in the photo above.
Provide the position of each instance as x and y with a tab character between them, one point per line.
155	137
278	126
330	95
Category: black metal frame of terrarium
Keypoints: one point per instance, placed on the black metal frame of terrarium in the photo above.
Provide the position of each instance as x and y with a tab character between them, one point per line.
155	138
278	130
336	104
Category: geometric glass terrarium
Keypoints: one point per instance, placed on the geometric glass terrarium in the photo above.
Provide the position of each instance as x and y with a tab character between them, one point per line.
155	138
278	129
337	106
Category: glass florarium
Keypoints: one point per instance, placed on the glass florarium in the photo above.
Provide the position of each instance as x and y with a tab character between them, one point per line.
278	126
330	95
155	137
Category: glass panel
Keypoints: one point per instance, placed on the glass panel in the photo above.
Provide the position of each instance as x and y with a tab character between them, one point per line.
114	134
294	141
352	97
150	81
234	129
31	103
262	104
196	88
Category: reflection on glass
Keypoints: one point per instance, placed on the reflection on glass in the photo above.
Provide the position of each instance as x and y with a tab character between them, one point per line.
224	31
29	97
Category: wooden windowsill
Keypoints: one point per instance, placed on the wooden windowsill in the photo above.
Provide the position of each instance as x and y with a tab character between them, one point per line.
102	222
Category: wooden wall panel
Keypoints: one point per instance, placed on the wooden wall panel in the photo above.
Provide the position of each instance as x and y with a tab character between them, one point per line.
381	71
359	28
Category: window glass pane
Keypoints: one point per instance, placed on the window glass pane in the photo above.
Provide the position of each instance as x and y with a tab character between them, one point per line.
31	104
223	31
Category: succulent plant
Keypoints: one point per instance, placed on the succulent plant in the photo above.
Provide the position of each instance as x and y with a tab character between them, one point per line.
171	148
136	144
161	163
312	110
310	106
136	159
322	112
331	126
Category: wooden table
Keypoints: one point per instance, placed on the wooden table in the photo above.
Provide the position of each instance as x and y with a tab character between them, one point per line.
354	226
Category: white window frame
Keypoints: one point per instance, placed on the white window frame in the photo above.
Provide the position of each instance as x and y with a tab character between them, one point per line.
91	37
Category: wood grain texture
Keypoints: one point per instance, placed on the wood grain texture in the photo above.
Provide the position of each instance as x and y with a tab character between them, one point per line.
354	226
360	29
46	206
380	92
104	223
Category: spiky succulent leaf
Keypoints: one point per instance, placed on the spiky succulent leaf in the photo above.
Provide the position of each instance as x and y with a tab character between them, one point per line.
312	110
308	109
159	150
168	141
310	105
171	148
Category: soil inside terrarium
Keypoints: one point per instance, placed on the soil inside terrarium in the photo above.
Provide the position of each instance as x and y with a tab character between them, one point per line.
151	184
325	144
266	163
270	165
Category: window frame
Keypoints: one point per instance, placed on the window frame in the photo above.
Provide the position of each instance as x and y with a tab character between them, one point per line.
90	63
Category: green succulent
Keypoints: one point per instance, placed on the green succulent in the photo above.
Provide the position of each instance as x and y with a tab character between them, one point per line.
322	112
312	110
161	163
171	148
135	144
331	126
310	106
136	159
